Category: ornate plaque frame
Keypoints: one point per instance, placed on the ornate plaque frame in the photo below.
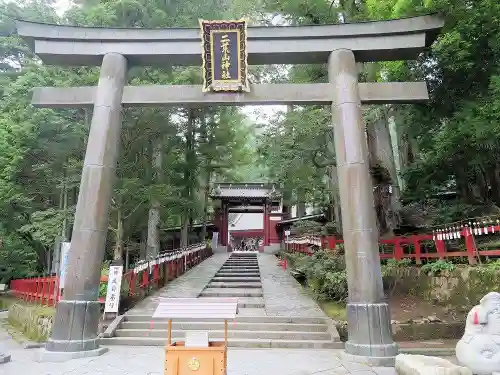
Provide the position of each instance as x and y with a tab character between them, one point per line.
238	30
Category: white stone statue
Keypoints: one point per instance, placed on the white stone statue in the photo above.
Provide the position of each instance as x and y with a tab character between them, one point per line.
407	364
479	348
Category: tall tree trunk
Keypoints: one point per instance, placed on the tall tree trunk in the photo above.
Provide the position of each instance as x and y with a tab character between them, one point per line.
301	204
206	194
189	176
381	153
494	179
143	248
394	136
153	242
118	251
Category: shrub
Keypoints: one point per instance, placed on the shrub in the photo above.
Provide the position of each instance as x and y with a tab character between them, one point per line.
326	275
436	268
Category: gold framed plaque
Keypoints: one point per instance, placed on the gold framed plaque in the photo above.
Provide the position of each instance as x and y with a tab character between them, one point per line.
224	55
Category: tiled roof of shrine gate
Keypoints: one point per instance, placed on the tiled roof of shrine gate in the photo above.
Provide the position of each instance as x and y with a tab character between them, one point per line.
245	190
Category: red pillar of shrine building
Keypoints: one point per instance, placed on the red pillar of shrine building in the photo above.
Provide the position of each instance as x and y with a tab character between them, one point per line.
224	224
266	223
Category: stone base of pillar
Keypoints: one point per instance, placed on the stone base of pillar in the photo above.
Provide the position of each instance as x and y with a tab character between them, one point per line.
367	360
77	327
4	358
370	337
49	356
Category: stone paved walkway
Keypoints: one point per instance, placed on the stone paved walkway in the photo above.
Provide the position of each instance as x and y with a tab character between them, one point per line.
189	285
283	295
150	361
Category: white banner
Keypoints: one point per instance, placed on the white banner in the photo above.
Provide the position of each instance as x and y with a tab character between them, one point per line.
113	290
215	240
63	262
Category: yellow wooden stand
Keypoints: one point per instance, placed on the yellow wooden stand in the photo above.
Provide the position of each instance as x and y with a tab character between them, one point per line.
196	360
200	361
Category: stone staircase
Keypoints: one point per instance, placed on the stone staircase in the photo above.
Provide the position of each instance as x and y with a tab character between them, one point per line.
238	277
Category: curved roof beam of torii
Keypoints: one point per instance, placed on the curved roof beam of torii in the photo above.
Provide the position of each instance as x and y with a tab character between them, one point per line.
399	39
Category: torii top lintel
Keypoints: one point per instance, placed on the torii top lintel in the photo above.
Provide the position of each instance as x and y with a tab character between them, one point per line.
399	39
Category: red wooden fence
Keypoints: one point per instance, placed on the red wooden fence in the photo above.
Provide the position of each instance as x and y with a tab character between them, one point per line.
441	244
166	267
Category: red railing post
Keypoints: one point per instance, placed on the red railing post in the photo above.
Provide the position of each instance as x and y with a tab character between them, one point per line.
131	288
332	243
145	278
441	248
469	244
156	274
44	285
170	270
398	250
175	271
418	250
38	291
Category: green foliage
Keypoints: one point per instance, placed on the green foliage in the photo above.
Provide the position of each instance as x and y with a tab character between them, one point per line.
42	150
17	258
393	265
438	267
300	228
326	275
449	144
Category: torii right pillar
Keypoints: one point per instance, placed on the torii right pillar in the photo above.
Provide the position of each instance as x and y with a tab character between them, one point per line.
369	325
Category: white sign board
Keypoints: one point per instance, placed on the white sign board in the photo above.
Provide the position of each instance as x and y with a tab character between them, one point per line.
215	240
197	308
113	291
196	339
287	233
63	265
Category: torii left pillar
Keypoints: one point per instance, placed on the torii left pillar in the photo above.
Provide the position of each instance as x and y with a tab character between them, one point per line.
75	330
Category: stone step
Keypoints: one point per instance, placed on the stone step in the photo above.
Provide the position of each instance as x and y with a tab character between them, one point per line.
236	279
241	264
219	334
232	284
243	259
244	262
215	326
259	311
239	270
239	267
233	343
237	274
130	317
243	255
228	292
244	302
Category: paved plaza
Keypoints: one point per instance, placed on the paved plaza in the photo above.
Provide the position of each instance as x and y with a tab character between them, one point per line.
123	360
283	296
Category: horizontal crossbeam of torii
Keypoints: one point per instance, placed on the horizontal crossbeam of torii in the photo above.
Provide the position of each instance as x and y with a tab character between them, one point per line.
192	95
339	46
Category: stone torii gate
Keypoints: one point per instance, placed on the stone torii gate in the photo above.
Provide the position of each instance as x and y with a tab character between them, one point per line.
340	46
